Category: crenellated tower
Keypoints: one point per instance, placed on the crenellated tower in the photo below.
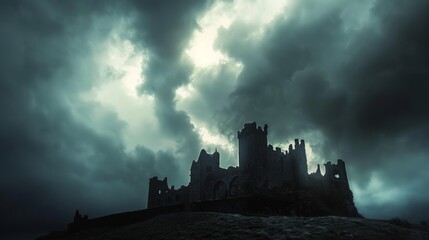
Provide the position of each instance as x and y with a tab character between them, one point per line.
156	189
336	175
299	167
336	188
253	157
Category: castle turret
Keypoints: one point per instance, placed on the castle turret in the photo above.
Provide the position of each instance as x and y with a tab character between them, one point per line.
336	174
152	192
302	167
337	189
253	157
156	189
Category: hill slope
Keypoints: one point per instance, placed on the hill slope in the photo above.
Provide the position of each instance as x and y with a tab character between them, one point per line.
187	225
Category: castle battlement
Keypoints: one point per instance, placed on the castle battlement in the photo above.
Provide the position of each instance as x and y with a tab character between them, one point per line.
252	128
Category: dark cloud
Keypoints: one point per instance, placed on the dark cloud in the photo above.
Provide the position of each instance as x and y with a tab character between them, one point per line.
60	152
284	71
362	87
165	28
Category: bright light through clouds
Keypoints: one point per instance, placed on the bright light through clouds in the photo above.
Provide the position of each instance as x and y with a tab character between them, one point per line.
120	68
258	13
201	46
216	140
184	91
123	59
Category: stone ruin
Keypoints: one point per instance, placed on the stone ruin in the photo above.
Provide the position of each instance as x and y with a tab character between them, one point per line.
262	169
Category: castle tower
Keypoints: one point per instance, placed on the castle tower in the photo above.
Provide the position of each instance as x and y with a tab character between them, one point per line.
253	157
156	189
300	162
337	190
336	174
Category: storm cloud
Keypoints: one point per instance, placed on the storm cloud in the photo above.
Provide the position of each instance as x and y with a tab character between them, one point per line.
96	97
363	88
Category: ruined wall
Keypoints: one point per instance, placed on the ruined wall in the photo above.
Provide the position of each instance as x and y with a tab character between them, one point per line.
333	188
161	195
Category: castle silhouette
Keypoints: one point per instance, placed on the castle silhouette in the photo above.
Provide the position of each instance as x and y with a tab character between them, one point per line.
267	181
261	169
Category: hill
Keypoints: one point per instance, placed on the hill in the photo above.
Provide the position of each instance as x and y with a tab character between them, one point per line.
205	225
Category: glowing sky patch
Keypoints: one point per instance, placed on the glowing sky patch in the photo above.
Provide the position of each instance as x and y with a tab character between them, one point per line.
121	57
184	91
205	58
216	140
121	68
257	14
201	45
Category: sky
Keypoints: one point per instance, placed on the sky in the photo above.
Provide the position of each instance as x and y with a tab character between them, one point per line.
96	97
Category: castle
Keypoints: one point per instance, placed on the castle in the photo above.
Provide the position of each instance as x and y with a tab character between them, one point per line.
261	168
